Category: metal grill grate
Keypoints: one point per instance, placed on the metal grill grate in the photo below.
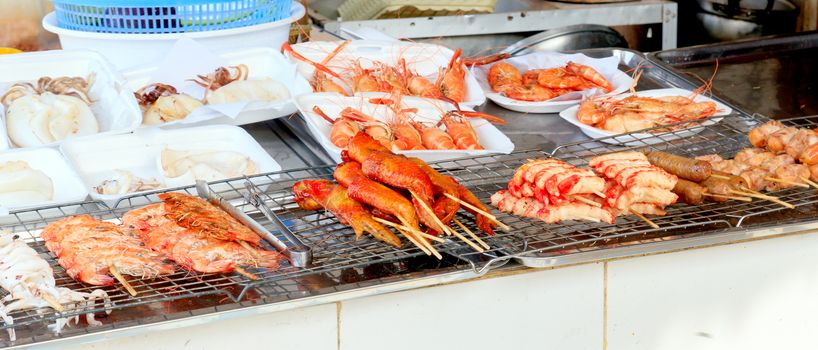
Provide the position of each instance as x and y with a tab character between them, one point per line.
336	260
491	173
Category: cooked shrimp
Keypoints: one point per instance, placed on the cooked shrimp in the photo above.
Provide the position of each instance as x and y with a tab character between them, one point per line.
503	75
590	74
434	138
462	132
453	79
558	78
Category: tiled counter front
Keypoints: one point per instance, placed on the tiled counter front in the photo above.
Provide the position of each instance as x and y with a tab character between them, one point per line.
753	295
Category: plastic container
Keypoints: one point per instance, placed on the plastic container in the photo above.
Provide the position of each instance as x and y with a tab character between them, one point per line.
130	50
173	16
492	139
570	115
96	159
114	106
359	10
67	184
262	62
425	59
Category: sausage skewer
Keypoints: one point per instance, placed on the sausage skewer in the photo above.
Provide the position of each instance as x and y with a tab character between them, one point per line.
683	167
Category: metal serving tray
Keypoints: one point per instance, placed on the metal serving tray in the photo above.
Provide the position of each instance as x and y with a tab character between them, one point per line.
775	76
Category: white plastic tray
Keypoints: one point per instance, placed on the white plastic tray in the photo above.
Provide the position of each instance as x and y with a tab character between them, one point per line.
113	105
607	66
570	115
262	63
67	184
492	139
96	159
425	59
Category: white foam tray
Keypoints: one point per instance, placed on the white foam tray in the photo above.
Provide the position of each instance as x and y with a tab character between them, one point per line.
262	63
570	115
96	159
425	59
492	139
113	105
607	66
68	186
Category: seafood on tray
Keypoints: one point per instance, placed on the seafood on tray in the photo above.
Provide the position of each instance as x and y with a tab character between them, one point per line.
52	110
403	129
162	103
377	188
351	77
182	167
124	181
22	185
29	281
544	83
620	184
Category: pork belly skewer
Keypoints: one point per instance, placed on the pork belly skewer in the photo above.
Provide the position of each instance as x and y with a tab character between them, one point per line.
554	178
90	250
505	201
192	249
29	280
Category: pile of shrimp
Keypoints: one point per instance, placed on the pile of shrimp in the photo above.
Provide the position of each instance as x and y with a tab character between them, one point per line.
632	113
406	129
544	84
450	84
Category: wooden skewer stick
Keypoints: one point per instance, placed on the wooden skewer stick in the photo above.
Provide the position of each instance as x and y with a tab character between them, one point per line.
476	247
431	248
645	219
717	176
810	182
481	212
430	211
245	273
471	234
53	302
743	199
765	197
587	201
414	241
405	228
786	182
114	271
599	194
248	247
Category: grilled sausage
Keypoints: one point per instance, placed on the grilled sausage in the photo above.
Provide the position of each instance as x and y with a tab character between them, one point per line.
689	192
683	167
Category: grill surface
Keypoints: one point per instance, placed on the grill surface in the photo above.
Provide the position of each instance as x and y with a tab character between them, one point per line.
491	173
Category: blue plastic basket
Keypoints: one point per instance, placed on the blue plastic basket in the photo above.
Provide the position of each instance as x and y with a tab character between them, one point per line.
172	16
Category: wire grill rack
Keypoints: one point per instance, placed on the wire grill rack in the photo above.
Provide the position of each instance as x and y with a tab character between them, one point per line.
725	137
337	256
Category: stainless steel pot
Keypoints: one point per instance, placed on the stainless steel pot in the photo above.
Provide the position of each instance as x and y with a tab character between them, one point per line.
735	19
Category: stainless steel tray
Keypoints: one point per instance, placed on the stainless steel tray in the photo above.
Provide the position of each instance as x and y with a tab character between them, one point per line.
774	76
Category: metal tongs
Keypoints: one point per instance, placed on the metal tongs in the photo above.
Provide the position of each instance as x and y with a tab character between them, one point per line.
300	254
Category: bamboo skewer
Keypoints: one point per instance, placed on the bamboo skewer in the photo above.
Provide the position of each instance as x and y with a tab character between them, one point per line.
114	271
471	234
245	273
645	219
53	302
476	247
786	182
414	241
599	194
809	182
743	199
765	197
717	176
479	211
587	201
406	228
431	212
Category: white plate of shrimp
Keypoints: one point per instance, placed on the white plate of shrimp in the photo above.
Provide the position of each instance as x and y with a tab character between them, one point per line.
675	102
411	129
363	66
576	77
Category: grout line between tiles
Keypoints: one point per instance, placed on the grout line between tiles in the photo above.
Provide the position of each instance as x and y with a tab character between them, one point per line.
338	323
605	306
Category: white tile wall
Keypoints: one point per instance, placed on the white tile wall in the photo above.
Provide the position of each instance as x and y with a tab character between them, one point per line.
308	328
550	309
756	295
